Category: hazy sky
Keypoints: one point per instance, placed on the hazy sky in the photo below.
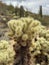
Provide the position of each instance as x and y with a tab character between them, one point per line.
31	5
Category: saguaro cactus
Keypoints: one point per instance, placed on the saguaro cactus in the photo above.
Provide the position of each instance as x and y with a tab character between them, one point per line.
40	11
21	11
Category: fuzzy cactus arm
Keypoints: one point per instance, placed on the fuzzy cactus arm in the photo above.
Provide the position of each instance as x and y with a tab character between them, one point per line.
31	36
6	52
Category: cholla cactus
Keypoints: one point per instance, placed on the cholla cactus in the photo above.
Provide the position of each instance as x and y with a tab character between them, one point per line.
6	53
31	36
4	19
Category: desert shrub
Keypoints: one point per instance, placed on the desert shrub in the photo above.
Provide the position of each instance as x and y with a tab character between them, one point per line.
32	39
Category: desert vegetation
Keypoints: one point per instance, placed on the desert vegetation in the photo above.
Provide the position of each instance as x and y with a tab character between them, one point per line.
24	36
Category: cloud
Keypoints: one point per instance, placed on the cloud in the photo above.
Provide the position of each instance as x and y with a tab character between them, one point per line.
31	5
45	10
47	5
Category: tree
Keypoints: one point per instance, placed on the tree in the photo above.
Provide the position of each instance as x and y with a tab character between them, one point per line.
16	10
11	8
3	8
26	12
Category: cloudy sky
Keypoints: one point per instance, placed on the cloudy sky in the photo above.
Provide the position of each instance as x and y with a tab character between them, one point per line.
31	5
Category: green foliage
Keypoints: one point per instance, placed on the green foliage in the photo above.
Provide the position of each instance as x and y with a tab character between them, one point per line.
26	13
10	8
17	11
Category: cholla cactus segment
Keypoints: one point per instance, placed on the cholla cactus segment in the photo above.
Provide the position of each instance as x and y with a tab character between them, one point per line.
24	37
42	44
23	44
27	20
6	52
4	19
11	25
3	44
34	23
28	28
37	64
47	34
47	31
42	33
10	33
30	31
18	31
26	24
